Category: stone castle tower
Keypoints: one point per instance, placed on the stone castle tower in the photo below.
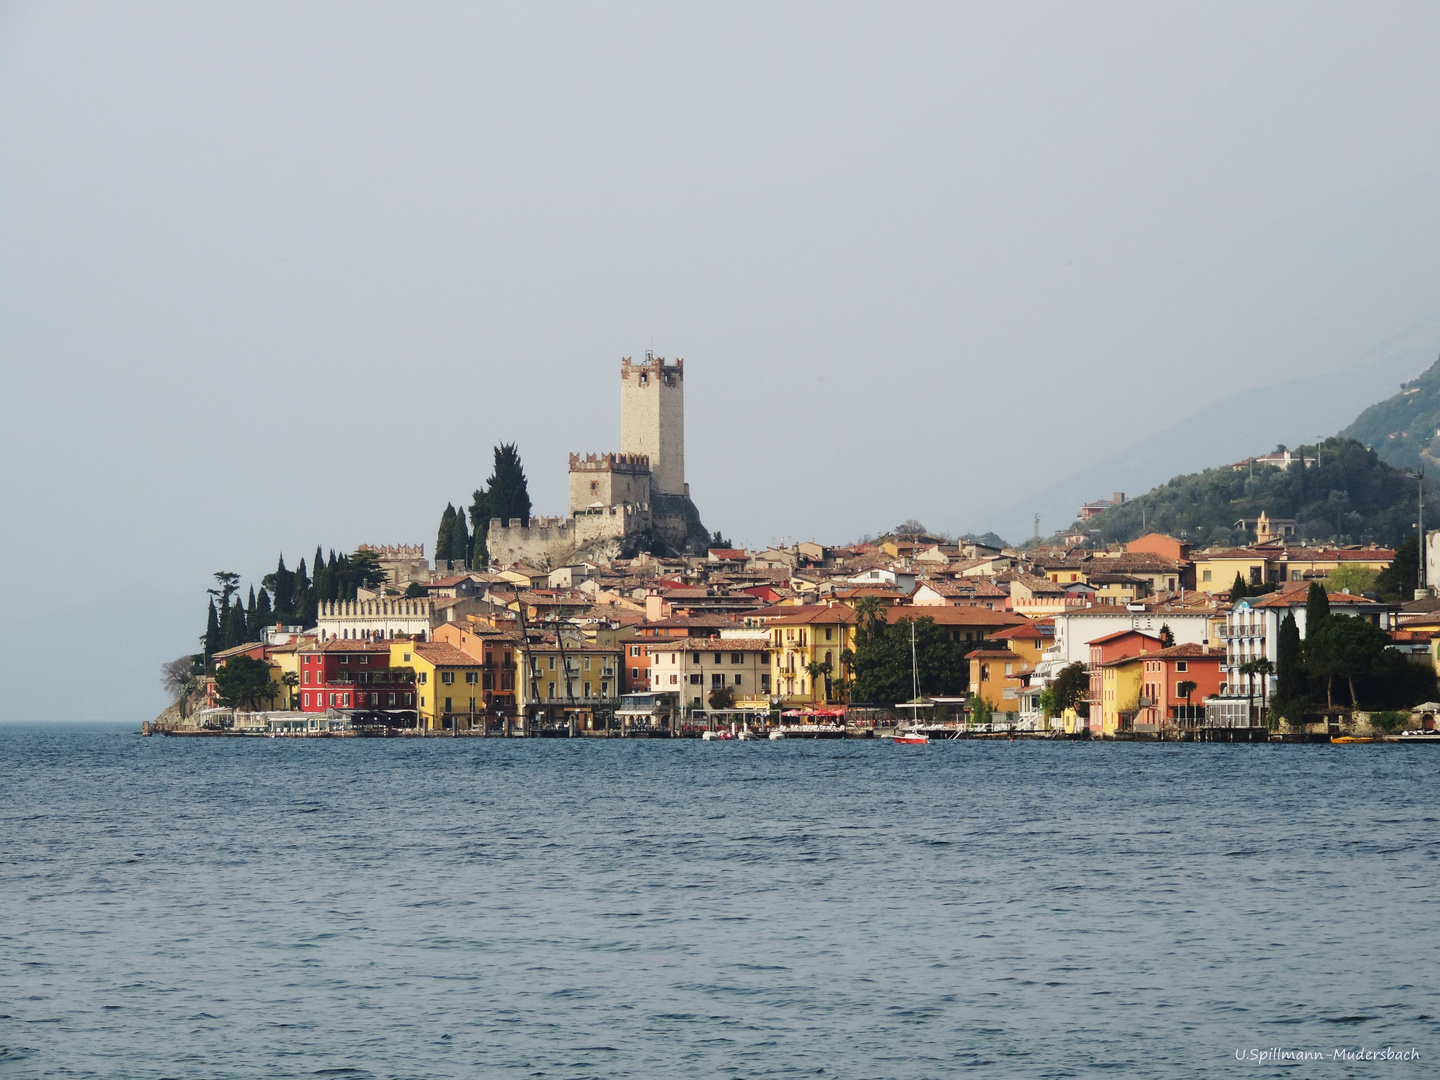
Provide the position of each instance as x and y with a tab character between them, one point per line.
628	501
652	419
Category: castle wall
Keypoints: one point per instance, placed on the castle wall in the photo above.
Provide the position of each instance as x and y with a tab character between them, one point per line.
545	543
611	523
652	419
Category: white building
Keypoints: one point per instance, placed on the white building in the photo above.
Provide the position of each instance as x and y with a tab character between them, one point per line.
694	667
1252	630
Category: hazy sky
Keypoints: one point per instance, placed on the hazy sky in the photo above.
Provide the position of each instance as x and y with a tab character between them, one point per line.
275	275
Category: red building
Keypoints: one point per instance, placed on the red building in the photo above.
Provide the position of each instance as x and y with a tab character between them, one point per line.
1161	703
1115	646
353	675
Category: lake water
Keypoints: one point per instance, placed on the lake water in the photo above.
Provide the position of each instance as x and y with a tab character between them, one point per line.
493	908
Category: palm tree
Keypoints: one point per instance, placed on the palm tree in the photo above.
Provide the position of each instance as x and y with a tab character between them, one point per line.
1185	688
818	670
1263	667
290	680
870	615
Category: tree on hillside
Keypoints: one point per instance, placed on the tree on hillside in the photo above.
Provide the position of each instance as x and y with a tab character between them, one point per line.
306	602
365	568
264	614
1167	636
233	630
244	683
1398	581
1344	646
883	670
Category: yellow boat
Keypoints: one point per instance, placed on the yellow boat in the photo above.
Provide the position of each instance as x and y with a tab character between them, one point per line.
1350	739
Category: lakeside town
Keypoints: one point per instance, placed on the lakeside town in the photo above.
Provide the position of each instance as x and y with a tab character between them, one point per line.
628	618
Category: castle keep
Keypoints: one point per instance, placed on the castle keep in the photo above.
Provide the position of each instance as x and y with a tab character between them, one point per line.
625	501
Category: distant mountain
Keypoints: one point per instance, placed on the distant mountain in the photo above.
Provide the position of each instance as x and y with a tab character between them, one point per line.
1404	430
1350	496
1247	423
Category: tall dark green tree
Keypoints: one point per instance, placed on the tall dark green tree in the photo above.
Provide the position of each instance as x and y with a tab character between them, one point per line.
445	537
1289	670
233	630
366	569
1239	590
1072	690
252	615
460	540
282	585
306	603
479	528
211	640
1398	581
508	489
264	615
1317	607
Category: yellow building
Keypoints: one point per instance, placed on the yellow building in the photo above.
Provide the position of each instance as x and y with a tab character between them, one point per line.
1215	570
807	661
1120	682
996	675
447	683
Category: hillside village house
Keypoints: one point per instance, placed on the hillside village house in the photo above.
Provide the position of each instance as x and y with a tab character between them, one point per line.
498	652
1161	705
355	677
447	684
1216	570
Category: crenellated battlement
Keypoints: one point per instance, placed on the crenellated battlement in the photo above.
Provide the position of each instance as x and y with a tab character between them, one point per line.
634	464
396	551
667	374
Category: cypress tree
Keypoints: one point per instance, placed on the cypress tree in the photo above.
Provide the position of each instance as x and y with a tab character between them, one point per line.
446	534
232	631
480	526
251	611
460	540
1289	678
284	588
211	640
1239	590
509	490
264	615
1317	607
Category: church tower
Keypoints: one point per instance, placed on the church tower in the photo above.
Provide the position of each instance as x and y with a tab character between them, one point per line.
652	419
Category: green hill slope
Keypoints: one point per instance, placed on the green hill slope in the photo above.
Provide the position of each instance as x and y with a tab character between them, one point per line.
1404	430
1351	497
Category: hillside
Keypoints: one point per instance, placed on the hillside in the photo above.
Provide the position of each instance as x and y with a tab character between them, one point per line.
1404	430
1350	497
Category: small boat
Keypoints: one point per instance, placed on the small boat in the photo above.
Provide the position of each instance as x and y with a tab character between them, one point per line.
910	738
776	736
746	735
1338	739
717	736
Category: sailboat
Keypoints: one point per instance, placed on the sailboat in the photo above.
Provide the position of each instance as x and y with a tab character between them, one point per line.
912	737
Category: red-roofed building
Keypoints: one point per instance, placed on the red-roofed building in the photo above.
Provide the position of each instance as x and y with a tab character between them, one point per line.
1111	647
355	677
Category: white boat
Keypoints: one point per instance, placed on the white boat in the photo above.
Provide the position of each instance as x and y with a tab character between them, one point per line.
746	735
716	736
776	736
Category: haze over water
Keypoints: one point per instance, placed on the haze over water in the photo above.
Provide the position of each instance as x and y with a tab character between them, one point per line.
459	908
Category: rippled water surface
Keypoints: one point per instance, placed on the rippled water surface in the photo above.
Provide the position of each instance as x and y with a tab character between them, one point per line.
461	908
